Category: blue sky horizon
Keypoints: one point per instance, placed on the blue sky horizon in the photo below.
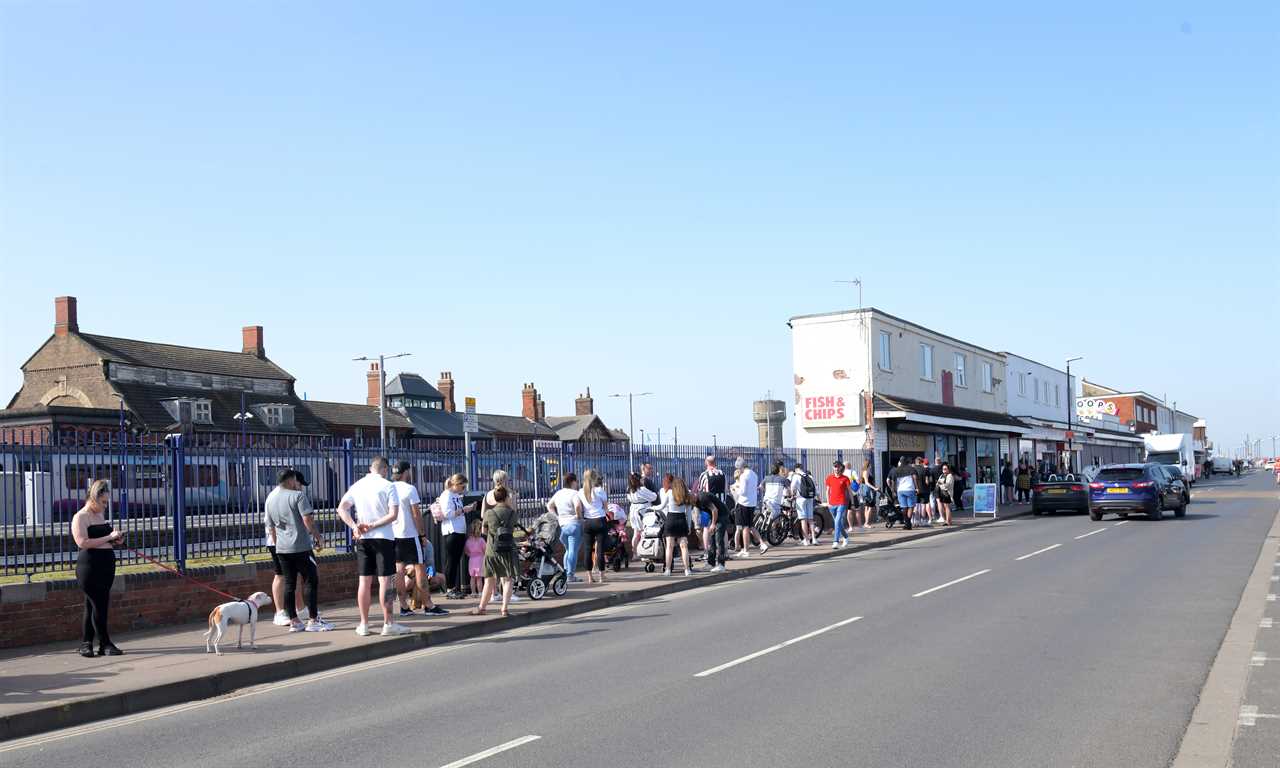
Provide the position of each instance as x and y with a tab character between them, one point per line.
639	198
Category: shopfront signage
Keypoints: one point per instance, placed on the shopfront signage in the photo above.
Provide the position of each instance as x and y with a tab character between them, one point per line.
1095	407
907	442
829	410
984	499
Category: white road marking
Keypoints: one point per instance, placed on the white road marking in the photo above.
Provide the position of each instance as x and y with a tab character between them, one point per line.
1249	715
1258	660
477	757
1266	624
1275	578
1090	533
949	583
1038	551
1122	522
778	647
1271	598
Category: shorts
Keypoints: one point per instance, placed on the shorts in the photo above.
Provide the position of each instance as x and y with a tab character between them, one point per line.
743	515
705	518
677	525
475	567
375	557
409	551
868	496
804	509
275	560
906	499
943	497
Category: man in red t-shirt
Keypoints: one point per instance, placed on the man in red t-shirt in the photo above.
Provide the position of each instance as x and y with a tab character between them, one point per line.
838	503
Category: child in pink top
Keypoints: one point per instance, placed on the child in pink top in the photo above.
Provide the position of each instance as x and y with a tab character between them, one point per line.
474	550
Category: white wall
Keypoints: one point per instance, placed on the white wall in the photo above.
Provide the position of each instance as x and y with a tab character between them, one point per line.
1028	398
905	377
829	361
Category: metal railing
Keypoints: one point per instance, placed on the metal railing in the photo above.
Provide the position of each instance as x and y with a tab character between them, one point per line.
180	501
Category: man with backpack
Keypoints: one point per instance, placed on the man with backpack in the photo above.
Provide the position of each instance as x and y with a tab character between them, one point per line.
804	491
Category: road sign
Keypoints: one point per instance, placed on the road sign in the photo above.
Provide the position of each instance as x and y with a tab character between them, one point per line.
1070	434
470	421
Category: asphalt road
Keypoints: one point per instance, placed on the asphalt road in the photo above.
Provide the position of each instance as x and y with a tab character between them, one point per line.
1071	643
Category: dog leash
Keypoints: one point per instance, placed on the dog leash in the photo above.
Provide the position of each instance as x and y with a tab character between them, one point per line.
171	569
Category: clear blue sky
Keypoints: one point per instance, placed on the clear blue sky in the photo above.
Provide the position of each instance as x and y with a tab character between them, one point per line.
586	194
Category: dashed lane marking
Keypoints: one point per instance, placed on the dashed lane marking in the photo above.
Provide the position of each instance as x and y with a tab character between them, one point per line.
1038	551
1249	715
1090	533
778	647
1122	522
490	752
954	581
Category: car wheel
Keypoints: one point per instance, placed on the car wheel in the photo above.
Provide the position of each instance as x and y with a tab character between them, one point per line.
1181	510
1157	512
1094	515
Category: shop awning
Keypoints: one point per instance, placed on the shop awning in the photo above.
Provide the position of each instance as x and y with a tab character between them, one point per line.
946	415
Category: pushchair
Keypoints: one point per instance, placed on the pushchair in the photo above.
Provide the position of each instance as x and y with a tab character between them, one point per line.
652	549
617	550
887	508
538	568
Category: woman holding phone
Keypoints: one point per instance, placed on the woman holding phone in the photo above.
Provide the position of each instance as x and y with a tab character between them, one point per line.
96	567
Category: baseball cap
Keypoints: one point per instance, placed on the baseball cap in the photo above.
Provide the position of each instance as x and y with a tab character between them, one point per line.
291	473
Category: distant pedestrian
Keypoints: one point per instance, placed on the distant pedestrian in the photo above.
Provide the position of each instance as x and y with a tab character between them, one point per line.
922	492
904	479
935	506
851	511
944	489
410	531
1024	481
368	508
293	530
566	505
712	481
867	491
453	532
838	498
717	516
1006	482
774	489
677	505
96	568
648	479
595	504
804	491
500	552
746	494
474	550
639	499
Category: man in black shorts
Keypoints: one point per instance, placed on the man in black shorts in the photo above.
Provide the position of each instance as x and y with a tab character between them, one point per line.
373	500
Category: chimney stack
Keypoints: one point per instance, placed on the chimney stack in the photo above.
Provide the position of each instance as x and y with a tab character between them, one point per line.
445	385
64	316
584	405
374	377
529	402
542	409
251	341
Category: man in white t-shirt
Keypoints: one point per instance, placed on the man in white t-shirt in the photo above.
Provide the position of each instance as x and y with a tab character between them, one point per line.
746	495
411	539
376	506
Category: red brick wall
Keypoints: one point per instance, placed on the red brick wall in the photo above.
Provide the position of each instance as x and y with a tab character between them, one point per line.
148	600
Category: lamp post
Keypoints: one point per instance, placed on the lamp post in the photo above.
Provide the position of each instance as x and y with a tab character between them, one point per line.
1071	406
631	424
243	417
382	392
124	462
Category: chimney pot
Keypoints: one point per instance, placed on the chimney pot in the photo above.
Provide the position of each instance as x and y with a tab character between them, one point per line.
374	379
64	316
445	385
252	341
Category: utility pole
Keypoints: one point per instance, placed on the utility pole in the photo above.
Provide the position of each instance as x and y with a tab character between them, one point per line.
631	425
1071	402
382	393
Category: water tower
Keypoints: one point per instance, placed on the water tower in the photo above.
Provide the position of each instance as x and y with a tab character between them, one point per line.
769	416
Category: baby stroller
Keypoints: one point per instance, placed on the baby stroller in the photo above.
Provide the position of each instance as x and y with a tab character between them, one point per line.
652	549
617	552
538	568
887	508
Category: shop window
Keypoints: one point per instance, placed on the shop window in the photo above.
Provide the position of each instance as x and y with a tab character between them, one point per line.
886	357
926	362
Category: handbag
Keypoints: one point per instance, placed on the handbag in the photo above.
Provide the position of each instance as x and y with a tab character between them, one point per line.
437	512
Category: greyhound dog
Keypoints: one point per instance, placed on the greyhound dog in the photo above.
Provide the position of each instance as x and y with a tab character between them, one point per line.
240	612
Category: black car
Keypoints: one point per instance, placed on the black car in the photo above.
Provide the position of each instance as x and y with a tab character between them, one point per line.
1059	493
1176	471
1125	488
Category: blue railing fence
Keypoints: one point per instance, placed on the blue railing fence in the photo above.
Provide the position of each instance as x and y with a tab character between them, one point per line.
179	500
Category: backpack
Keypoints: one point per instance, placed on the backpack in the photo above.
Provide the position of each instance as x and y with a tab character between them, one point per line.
807	489
505	543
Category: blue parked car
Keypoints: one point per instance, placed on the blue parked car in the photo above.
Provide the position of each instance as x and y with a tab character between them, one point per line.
1125	488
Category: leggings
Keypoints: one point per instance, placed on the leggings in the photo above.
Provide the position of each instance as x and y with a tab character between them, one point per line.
96	570
454	545
293	565
594	530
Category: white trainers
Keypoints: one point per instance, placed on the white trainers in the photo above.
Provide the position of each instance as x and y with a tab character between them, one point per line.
304	614
666	573
835	545
395	629
844	543
282	619
296	627
764	547
718	569
362	630
318	625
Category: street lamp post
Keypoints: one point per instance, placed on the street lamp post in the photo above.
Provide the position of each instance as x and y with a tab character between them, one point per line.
631	425
243	417
1071	406
382	392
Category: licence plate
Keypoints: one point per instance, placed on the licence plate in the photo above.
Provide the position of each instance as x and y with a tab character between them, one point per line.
1117	490
1058	491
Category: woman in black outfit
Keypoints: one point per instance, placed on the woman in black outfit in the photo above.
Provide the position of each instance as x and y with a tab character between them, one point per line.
96	567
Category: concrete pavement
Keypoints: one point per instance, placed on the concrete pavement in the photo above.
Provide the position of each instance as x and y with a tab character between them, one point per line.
44	688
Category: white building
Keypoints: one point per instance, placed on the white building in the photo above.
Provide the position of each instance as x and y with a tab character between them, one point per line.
864	378
1042	397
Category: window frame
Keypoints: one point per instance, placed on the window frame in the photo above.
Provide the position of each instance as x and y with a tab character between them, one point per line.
201	412
926	356
961	378
988	376
886	351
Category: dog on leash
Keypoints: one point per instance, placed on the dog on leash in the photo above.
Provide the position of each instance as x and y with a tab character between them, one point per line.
239	613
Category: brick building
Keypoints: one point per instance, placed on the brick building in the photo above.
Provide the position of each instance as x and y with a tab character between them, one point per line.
78	383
